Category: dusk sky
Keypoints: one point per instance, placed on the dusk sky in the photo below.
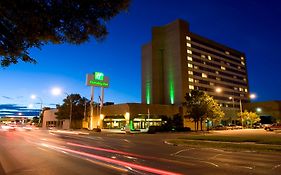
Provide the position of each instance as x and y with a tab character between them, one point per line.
252	27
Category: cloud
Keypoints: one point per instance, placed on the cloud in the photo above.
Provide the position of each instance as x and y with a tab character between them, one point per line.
14	110
6	97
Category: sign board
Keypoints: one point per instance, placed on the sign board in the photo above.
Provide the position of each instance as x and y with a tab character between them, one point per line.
97	79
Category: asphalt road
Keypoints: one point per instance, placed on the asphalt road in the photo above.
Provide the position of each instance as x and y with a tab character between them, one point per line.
39	152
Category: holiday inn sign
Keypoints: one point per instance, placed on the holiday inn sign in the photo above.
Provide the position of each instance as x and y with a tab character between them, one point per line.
97	79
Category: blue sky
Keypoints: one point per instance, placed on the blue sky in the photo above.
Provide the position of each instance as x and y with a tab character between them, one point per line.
249	26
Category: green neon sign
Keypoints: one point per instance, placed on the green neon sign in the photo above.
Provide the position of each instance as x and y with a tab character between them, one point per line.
99	76
98	83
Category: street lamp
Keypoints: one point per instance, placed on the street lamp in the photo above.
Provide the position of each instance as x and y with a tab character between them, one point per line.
41	104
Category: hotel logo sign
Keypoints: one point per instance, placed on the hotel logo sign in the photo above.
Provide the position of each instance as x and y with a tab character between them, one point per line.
97	79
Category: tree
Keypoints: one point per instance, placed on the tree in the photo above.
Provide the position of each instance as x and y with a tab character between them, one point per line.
77	103
200	106
249	118
34	23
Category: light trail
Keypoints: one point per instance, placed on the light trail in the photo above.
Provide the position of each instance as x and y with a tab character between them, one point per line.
114	161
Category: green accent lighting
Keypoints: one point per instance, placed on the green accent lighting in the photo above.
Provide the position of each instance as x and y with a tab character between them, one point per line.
148	91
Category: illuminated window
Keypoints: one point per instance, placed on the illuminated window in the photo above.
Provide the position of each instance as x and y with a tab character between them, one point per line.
235	88
244	79
190	65
190	72
188	38
195	67
226	105
189	51
242	63
212	84
242	58
240	89
226	52
239	67
242	95
191	87
228	64
235	76
188	44
246	90
196	81
204	75
222	67
218	78
203	56
217	72
190	79
189	58
204	62
209	57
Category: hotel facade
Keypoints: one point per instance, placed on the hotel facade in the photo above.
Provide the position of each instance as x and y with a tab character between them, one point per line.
177	61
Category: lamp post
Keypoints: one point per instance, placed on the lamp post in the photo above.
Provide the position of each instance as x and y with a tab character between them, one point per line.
70	110
251	96
41	104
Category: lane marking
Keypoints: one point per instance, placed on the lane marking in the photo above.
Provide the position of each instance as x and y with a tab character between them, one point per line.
114	161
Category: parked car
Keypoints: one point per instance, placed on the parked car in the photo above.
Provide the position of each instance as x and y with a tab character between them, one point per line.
233	126
219	127
275	126
257	125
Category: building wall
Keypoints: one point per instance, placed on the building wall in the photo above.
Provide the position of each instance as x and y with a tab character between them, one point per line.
49	116
269	108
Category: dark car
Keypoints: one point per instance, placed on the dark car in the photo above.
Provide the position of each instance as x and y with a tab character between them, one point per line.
219	127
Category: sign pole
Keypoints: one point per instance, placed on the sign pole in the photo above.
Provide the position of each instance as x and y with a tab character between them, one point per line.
92	108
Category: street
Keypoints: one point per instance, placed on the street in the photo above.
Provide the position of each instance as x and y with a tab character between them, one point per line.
43	152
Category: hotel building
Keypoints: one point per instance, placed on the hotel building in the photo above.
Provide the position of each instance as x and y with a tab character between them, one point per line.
177	61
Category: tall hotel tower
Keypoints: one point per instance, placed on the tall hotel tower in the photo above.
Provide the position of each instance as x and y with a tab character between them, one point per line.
177	61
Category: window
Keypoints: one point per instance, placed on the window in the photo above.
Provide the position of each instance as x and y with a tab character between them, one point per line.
203	56
189	58
190	79
242	62
226	52
239	67
196	81
190	72
226	105
222	67
228	64
188	38
195	67
235	76
189	51
191	87
246	90
212	84
209	57
217	72
240	89
242	58
204	62
218	78
244	79
204	75
235	88
188	44
190	65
